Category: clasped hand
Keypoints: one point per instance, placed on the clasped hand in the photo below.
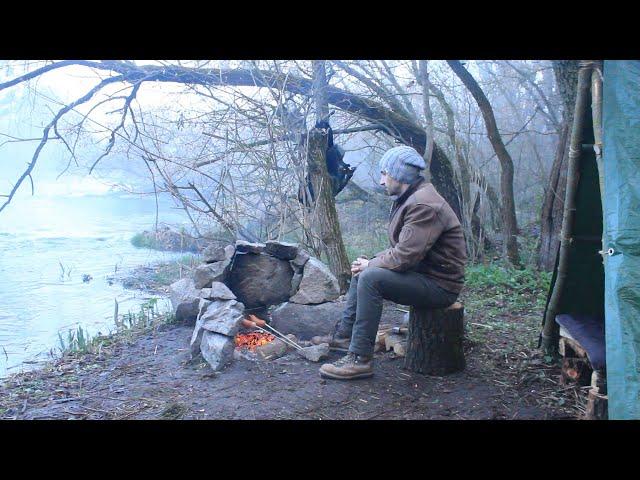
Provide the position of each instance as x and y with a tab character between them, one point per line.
359	265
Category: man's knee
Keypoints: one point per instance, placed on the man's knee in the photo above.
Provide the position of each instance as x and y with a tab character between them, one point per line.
370	276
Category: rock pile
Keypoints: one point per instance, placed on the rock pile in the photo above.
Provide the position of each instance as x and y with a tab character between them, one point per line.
254	276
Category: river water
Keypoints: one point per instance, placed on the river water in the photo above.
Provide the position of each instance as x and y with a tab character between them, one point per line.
47	245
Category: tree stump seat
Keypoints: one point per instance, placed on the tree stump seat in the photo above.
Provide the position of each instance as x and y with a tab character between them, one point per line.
434	343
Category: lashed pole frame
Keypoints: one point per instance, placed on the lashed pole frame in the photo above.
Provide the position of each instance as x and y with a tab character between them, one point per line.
550	331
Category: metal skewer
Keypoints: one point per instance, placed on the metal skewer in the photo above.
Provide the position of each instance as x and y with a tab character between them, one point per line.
252	323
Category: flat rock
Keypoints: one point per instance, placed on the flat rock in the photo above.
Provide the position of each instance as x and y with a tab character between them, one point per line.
196	336
307	321
318	284
315	353
282	250
213	253
222	316
272	350
229	250
207	273
301	259
260	279
216	349
185	299
295	283
248	247
217	291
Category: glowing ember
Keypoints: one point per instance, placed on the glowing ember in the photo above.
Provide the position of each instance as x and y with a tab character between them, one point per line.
252	340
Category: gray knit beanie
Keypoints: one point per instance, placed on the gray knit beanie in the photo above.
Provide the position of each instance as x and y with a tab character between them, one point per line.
402	164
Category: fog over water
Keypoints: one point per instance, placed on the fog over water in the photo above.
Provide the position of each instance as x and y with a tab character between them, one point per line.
86	233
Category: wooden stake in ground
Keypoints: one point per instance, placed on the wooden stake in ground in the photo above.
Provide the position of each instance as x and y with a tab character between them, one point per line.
434	345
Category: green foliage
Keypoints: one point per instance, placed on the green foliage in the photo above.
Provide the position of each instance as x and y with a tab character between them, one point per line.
500	298
141	240
507	279
78	341
357	245
529	250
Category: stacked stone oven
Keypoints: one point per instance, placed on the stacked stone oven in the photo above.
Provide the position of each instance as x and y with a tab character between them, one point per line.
277	281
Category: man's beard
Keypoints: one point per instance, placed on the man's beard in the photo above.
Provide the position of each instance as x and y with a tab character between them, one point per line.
393	192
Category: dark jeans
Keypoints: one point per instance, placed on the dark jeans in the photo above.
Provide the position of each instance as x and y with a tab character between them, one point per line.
364	302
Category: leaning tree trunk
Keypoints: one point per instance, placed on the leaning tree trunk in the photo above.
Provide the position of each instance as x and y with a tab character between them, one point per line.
566	75
553	203
434	343
510	223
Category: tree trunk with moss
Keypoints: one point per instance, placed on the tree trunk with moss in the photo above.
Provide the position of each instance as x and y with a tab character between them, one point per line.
324	217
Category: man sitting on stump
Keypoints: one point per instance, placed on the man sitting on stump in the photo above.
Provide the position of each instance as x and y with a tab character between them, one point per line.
423	268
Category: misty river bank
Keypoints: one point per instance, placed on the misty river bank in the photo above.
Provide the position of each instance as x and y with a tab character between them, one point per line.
65	262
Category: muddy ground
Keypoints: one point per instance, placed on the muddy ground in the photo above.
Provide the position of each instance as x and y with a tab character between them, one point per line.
147	375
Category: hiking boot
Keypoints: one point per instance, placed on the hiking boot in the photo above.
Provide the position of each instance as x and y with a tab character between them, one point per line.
335	343
349	367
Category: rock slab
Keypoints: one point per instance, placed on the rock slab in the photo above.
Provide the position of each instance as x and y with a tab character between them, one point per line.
318	284
217	291
223	317
260	279
207	273
243	246
196	336
216	349
213	253
282	250
315	353
185	300
307	321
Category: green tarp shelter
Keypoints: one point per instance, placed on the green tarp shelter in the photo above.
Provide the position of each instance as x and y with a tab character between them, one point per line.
599	277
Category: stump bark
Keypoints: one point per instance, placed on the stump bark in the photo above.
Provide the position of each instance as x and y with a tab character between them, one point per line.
597	406
434	344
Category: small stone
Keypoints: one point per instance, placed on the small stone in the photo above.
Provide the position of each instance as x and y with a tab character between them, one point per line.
229	250
282	250
318	284
223	316
185	299
315	353
272	350
196	336
207	273
217	291
213	253
300	260
295	283
216	349
248	247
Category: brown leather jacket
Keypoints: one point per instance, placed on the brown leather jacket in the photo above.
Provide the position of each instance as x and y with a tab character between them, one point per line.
426	237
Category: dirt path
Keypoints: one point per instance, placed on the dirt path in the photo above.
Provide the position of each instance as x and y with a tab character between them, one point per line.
152	378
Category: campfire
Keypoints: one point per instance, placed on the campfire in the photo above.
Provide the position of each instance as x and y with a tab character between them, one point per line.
252	340
253	277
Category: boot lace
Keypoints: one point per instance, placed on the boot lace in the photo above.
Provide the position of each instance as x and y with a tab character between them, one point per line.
348	358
